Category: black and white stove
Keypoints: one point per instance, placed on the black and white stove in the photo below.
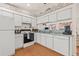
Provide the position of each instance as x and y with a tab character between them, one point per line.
28	38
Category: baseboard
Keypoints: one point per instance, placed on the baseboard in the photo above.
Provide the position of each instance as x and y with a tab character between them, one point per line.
49	49
77	42
13	55
19	48
78	46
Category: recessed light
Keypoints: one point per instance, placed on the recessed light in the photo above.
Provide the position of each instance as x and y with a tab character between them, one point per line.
28	4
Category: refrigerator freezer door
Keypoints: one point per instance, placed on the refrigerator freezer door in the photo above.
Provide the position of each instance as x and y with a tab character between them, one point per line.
7	43
6	23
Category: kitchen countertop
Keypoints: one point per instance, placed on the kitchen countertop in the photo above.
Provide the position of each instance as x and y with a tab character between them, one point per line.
18	33
51	33
56	34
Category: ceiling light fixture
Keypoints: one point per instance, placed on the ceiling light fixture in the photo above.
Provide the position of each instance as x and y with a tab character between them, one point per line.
28	4
44	3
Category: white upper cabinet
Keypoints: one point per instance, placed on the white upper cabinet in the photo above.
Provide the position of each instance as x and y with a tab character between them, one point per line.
45	18
64	14
42	19
33	22
18	20
26	20
52	17
56	16
39	20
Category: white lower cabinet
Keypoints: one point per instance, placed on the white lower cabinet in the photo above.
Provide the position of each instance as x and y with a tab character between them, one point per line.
46	40
18	41
35	37
50	43
38	38
43	40
61	45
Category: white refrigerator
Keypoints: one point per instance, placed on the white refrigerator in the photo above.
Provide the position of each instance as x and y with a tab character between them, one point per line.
7	37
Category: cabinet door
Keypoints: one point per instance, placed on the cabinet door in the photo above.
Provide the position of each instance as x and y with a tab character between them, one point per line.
64	14
38	38
52	17
19	41
34	23
44	19
35	37
61	45
39	20
43	39
50	41
18	20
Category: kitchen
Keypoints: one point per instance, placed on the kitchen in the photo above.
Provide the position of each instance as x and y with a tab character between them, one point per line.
53	26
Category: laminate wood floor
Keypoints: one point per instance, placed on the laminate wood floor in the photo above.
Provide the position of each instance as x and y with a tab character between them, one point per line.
78	51
36	50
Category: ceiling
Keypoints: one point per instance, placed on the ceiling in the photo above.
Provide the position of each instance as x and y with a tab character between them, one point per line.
39	9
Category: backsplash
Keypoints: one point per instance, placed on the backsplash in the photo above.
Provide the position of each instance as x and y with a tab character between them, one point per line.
56	26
